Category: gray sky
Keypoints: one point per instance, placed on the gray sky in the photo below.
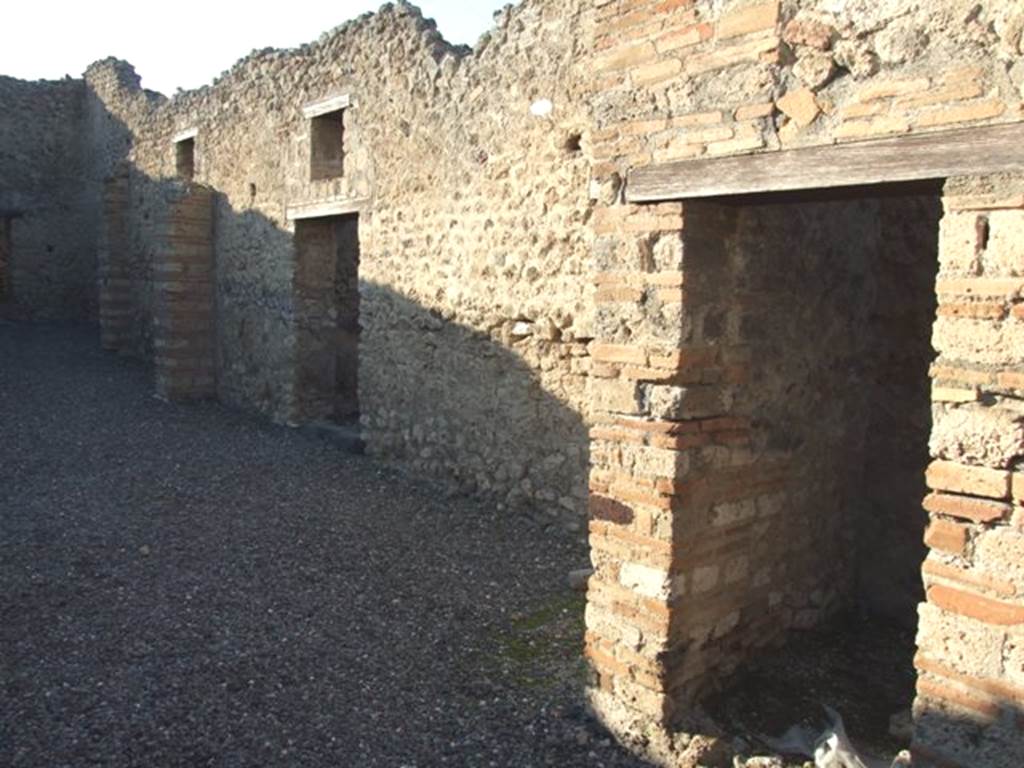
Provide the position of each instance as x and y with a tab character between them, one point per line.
186	43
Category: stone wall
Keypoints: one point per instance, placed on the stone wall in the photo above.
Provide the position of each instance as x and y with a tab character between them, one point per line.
112	264
474	311
128	209
684	78
51	263
971	687
719	363
698	79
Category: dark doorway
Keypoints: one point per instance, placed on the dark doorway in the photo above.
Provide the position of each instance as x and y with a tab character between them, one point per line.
185	159
327	308
833	297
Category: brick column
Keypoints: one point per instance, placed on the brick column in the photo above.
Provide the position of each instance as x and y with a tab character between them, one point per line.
112	264
970	694
672	478
635	462
184	322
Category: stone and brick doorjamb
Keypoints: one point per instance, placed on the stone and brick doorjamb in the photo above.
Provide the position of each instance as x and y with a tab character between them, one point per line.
667	448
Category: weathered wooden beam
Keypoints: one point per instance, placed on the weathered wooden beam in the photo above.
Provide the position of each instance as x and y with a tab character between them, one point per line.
327	105
189	133
913	157
326	208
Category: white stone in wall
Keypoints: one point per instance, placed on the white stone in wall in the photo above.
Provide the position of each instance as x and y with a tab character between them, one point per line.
542	108
647	581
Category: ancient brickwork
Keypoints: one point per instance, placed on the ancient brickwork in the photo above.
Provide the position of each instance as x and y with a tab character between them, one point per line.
769	520
691	78
685	492
972	627
442	242
474	311
184	314
122	208
112	264
632	642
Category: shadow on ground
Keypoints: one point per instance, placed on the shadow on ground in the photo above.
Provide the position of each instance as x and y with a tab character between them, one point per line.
189	586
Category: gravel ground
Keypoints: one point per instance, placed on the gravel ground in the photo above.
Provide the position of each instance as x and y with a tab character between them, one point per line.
194	586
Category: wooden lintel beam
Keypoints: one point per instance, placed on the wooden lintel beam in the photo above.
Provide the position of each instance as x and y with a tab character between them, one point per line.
912	157
327	208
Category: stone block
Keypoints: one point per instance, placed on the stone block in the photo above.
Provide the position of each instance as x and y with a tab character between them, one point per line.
965	644
978	435
1004	254
801	106
980	342
1000	551
646	581
673	403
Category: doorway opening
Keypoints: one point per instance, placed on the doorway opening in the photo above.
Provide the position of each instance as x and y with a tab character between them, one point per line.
185	159
327	317
829	297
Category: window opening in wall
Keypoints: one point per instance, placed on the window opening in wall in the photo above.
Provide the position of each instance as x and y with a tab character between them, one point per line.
810	569
327	296
5	259
185	158
327	142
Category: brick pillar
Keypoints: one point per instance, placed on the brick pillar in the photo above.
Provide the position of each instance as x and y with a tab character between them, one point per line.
112	264
636	462
184	323
670	582
970	694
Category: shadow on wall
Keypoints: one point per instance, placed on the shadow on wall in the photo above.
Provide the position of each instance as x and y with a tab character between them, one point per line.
453	403
979	732
456	404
